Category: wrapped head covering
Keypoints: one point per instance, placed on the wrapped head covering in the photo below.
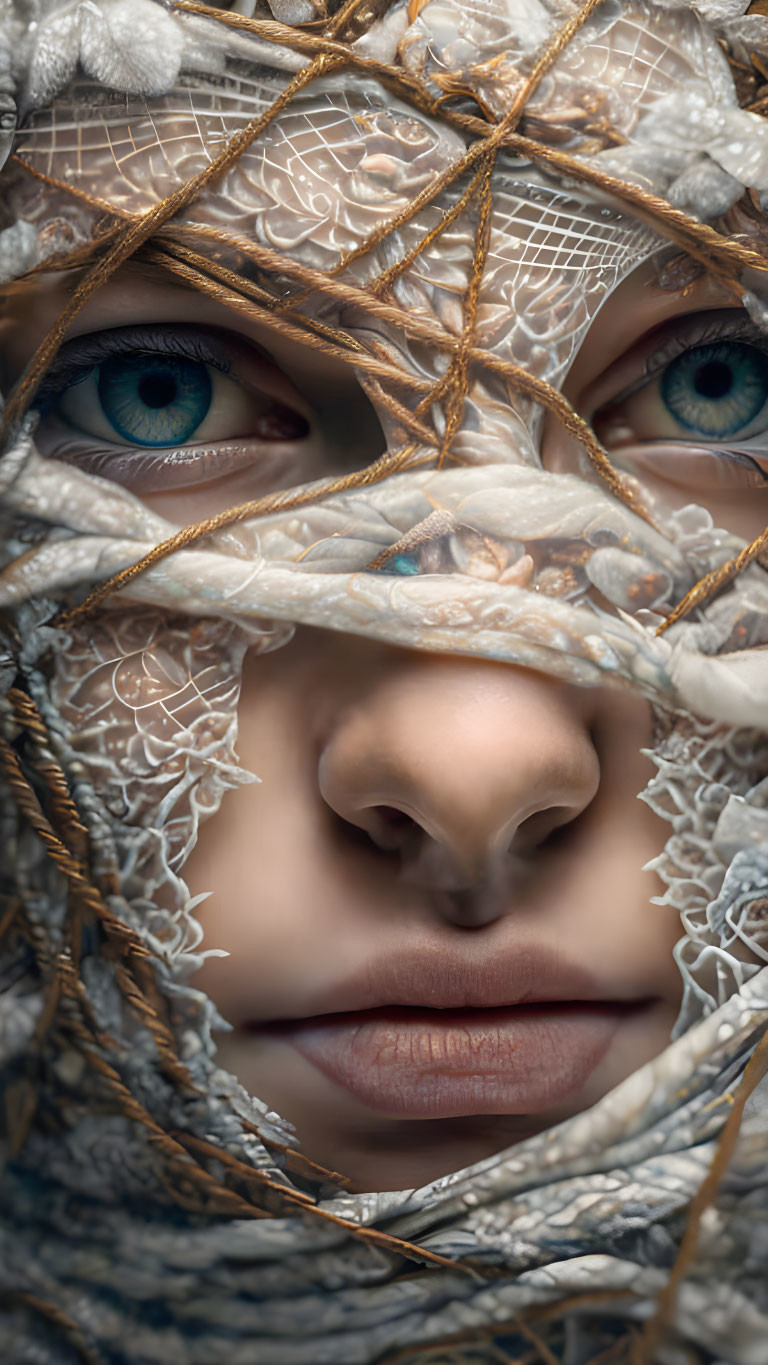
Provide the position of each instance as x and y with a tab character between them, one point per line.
441	195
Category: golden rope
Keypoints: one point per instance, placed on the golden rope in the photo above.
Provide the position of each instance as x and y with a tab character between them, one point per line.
51	1313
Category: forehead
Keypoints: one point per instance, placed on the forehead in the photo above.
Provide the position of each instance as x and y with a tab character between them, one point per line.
348	158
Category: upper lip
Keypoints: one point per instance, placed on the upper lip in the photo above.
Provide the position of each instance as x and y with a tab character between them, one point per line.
431	980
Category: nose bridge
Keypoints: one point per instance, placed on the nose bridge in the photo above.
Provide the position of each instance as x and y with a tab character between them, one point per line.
468	751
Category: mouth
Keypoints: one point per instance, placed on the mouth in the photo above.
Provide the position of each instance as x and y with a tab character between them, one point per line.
444	1063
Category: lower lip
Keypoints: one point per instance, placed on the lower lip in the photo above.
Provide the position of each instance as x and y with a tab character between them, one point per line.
448	1063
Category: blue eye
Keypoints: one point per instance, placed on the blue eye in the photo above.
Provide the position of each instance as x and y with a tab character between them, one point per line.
717	389
154	400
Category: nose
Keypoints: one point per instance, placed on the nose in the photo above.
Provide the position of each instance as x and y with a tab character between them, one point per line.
461	769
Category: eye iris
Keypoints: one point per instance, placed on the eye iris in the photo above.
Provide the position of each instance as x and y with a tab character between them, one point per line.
154	400
716	390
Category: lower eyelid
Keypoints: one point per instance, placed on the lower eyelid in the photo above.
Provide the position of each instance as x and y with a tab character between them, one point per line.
154	470
710	469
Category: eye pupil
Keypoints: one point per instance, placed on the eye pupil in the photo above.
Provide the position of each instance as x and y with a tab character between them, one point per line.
714	379
157	389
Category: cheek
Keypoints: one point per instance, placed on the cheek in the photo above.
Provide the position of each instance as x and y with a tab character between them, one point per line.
272	470
621	840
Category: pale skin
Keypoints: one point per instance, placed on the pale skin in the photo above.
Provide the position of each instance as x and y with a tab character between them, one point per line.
418	806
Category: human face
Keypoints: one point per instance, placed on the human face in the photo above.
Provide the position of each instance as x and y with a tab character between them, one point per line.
442	867
436	843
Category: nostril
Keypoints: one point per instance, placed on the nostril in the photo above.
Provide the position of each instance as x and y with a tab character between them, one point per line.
550	829
392	829
385	827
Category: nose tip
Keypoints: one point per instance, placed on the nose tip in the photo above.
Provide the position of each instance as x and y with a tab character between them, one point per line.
460	769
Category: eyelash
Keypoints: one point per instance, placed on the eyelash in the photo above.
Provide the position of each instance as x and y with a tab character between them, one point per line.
81	355
695	331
